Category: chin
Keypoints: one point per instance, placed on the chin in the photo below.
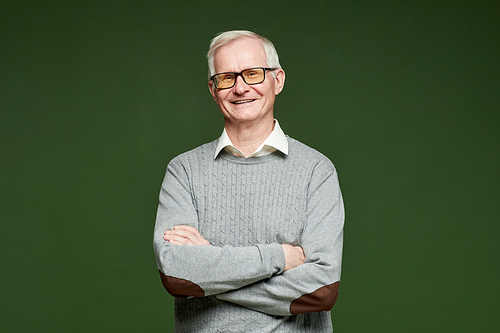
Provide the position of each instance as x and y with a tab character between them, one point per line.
245	115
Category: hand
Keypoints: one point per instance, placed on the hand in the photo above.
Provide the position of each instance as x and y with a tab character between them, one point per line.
294	256
184	235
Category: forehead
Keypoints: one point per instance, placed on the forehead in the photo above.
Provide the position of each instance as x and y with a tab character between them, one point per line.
239	55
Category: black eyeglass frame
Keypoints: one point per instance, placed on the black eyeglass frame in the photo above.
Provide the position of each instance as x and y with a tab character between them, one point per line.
212	78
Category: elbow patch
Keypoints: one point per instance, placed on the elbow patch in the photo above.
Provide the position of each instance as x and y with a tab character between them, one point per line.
321	299
181	288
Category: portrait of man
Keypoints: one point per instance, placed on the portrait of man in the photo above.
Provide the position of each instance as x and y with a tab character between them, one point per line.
249	227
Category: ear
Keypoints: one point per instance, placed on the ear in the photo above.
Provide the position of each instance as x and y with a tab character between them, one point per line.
280	81
212	90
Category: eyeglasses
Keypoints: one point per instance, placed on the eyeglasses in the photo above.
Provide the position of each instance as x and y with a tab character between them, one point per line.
250	76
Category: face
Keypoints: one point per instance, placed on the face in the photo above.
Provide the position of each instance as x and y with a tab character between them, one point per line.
245	103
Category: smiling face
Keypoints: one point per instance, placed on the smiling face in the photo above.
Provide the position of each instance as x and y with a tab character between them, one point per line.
243	103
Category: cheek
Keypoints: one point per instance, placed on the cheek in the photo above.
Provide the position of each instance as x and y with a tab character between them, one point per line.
220	96
267	90
269	94
223	93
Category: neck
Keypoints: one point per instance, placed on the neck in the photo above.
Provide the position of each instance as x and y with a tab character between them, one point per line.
247	137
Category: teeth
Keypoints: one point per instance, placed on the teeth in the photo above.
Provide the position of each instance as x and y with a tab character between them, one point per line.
241	102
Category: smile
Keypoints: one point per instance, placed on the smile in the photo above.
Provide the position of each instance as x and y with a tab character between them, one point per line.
244	101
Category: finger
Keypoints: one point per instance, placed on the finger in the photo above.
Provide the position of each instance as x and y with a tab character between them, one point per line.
171	235
182	233
188	228
179	240
197	237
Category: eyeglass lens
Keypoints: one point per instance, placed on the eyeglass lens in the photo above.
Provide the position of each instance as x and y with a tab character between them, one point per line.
250	76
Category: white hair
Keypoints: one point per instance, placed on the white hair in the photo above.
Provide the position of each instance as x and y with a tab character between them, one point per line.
229	37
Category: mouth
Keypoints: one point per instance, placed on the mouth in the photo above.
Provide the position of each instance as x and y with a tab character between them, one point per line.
243	101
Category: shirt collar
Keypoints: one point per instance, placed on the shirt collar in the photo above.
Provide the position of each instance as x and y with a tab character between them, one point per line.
275	141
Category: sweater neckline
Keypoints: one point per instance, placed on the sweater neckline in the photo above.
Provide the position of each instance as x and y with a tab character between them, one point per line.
250	160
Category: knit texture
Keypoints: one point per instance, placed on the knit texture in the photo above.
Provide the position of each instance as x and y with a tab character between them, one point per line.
246	208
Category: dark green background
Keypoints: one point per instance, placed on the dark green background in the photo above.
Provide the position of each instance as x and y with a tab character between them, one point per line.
97	96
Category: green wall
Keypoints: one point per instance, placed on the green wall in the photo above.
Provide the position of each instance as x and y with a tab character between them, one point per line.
97	96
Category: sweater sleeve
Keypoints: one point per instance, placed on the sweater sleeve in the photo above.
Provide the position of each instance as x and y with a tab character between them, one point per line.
203	270
313	286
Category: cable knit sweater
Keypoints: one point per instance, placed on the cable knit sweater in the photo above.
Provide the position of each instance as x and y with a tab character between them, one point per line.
246	208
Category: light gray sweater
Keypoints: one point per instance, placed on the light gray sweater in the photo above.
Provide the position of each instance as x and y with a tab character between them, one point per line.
246	208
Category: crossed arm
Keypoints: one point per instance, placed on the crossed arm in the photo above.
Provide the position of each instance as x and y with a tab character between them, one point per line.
187	235
277	279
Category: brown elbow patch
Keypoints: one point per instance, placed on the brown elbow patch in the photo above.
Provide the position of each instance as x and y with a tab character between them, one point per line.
181	288
321	299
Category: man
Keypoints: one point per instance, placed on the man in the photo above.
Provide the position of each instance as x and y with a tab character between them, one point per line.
249	228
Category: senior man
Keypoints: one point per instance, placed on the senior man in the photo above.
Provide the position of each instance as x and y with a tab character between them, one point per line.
249	228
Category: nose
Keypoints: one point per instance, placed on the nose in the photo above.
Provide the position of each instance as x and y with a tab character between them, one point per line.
240	86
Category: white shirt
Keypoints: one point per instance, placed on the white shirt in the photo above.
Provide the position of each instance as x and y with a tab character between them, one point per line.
275	141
